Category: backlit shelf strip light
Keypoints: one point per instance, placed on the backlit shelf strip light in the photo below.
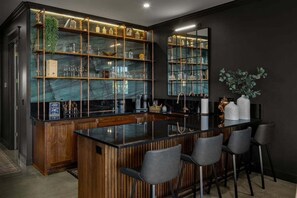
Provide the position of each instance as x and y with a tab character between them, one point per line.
75	17
185	27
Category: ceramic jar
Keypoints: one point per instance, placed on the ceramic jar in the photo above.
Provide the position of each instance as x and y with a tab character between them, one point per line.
244	105
164	109
231	111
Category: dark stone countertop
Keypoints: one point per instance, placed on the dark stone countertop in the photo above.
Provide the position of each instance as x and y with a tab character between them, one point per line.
141	133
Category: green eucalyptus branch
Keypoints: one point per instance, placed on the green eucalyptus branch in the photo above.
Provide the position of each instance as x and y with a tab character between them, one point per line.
241	82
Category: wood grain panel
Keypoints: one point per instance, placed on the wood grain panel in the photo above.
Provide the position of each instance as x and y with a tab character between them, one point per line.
82	125
39	147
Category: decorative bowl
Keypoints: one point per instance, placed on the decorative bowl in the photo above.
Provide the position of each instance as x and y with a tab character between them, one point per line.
109	53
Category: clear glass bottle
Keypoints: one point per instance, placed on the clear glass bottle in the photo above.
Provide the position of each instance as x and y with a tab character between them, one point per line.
137	35
104	30
110	31
72	23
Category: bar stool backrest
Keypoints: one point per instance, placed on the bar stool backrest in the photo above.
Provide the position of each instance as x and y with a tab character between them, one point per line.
264	133
208	150
160	166
239	141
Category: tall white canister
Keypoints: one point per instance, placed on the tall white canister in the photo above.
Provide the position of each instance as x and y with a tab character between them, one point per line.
204	106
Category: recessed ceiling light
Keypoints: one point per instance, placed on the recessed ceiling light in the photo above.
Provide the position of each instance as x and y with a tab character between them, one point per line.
146	5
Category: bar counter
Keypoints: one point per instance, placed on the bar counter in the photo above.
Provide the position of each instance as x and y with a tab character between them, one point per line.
102	151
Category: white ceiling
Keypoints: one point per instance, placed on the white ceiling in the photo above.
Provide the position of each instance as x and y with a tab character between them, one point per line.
124	10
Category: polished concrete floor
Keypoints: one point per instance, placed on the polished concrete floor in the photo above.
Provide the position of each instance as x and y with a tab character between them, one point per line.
279	189
31	184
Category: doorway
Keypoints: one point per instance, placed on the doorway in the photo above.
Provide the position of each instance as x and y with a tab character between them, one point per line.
13	64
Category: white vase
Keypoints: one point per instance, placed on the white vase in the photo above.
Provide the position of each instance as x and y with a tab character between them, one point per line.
164	109
244	106
231	111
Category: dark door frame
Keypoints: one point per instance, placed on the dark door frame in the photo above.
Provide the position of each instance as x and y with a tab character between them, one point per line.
13	63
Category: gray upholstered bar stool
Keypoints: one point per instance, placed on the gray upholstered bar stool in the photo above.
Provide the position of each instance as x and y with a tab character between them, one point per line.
263	137
238	144
159	166
207	151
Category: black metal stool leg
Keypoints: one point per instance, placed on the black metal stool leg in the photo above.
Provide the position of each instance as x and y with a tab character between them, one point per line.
226	168
246	167
270	161
235	177
250	158
261	166
209	183
171	189
180	177
216	179
239	160
194	187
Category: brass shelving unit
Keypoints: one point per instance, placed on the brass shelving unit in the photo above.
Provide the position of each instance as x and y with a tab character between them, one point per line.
186	66
85	32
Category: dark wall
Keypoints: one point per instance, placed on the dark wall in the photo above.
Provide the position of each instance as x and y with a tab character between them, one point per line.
245	35
7	104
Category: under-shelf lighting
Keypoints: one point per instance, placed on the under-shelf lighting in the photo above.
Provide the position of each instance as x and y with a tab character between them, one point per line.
75	17
113	45
185	28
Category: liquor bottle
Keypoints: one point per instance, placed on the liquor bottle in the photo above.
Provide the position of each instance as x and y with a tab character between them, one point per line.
104	30
97	29
130	54
137	35
110	31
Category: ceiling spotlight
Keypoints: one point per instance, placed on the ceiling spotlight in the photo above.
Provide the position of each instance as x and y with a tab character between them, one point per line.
146	5
185	27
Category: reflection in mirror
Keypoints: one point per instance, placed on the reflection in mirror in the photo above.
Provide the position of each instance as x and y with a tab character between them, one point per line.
188	67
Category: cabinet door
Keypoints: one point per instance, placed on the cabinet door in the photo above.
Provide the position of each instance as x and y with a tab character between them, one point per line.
60	144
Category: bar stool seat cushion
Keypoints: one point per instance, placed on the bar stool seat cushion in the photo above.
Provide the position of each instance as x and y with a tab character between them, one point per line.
159	166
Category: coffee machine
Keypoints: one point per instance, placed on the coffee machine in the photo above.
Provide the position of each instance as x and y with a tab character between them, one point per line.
138	106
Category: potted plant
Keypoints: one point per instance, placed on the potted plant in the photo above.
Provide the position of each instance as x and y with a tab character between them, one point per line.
242	83
51	40
51	33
